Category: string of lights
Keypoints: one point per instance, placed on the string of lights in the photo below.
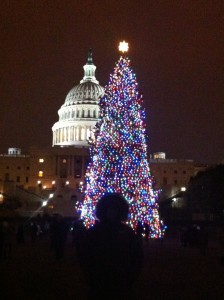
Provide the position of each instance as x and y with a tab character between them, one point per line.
119	161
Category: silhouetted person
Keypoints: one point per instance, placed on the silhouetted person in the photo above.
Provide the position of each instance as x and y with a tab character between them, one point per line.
221	243
1	240
193	235
20	234
33	231
7	241
184	236
146	231
58	236
139	229
111	254
203	240
78	229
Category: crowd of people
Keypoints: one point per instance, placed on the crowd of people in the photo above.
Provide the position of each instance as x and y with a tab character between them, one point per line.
194	236
110	253
54	229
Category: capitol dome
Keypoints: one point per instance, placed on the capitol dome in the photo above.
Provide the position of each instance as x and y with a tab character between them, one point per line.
80	111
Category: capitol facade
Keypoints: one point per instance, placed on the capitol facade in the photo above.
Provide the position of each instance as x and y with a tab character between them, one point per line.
80	112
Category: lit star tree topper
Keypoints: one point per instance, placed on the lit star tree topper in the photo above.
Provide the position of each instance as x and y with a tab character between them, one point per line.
118	156
123	47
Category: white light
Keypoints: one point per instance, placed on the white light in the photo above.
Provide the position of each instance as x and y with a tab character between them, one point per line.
44	203
83	134
51	195
67	182
44	187
81	183
183	189
174	199
53	182
84	211
38	182
123	47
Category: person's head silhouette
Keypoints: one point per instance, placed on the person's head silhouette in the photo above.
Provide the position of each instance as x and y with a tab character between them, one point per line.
112	207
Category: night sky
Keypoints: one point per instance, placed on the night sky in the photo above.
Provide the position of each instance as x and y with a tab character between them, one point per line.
176	51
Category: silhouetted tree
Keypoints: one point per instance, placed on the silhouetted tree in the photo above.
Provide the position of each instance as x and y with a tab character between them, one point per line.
206	191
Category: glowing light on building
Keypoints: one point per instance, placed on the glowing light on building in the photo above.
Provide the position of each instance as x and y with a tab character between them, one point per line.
44	203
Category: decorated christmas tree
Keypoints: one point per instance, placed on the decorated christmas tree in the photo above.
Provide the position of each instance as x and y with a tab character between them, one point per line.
118	154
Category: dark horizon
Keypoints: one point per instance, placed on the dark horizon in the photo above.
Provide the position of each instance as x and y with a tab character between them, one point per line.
176	51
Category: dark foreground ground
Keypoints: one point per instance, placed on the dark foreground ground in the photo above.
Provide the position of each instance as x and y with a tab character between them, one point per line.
170	272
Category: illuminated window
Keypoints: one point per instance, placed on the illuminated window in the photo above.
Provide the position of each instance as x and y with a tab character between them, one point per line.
40	174
77	173
41	160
